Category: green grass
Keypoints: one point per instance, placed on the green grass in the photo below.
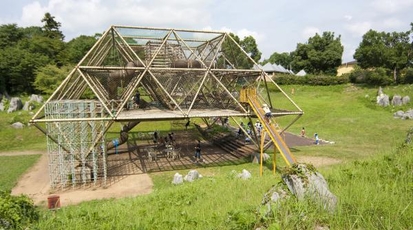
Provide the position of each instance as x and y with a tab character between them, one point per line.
373	185
12	167
19	139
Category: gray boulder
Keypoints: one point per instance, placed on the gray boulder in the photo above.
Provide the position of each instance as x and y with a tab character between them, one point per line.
36	98
396	100
309	183
28	106
18	125
380	91
1	106
192	175
178	179
15	105
405	100
404	115
257	158
398	114
383	100
408	114
245	174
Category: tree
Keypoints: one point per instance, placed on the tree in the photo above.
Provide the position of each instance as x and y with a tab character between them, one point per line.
234	54
76	49
249	45
283	59
392	51
321	54
49	77
51	27
17	69
9	35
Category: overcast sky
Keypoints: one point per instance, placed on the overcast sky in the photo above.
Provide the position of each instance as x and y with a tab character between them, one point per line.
277	25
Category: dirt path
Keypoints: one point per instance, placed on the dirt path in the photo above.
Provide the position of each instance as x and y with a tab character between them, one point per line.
35	183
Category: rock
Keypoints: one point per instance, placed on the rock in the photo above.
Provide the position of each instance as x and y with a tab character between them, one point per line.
309	183
383	100
36	98
396	100
27	106
404	115
178	179
380	91
192	175
256	158
244	174
398	114
408	114
1	106
15	105
273	198
405	100
17	125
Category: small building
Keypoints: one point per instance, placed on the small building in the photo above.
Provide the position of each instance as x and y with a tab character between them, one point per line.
346	68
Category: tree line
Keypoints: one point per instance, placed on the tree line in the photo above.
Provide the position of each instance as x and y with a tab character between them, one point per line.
36	59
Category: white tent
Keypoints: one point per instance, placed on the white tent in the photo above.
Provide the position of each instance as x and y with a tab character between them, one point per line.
301	73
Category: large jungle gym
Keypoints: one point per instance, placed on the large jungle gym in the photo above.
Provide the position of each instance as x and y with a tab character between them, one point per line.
180	74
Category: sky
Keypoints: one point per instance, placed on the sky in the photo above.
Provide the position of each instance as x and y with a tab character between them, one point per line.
277	25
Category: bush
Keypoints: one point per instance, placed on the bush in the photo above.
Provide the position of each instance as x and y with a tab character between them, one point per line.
377	77
16	212
311	80
406	76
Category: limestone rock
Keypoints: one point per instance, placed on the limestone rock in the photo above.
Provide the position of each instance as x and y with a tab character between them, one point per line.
28	106
178	179
36	98
192	175
383	100
15	105
309	183
405	100
245	174
18	125
396	100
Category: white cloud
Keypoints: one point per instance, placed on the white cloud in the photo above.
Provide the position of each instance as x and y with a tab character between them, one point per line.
32	14
391	6
348	17
392	23
245	33
358	29
310	32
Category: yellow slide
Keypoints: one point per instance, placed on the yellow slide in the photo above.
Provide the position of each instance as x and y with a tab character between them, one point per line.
272	131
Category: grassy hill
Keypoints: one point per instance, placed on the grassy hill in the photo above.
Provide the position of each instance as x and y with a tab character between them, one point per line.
374	184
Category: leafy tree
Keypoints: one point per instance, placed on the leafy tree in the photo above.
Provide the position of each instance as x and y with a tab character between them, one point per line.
392	51
51	27
9	35
249	45
321	54
49	77
234	54
76	49
17	69
283	59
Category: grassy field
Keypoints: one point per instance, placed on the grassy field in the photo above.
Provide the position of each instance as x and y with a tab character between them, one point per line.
12	167
373	185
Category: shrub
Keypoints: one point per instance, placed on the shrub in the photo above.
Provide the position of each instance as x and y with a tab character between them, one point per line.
311	80
406	76
16	212
377	77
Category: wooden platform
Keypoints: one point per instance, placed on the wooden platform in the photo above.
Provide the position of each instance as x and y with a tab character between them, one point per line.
154	113
132	158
